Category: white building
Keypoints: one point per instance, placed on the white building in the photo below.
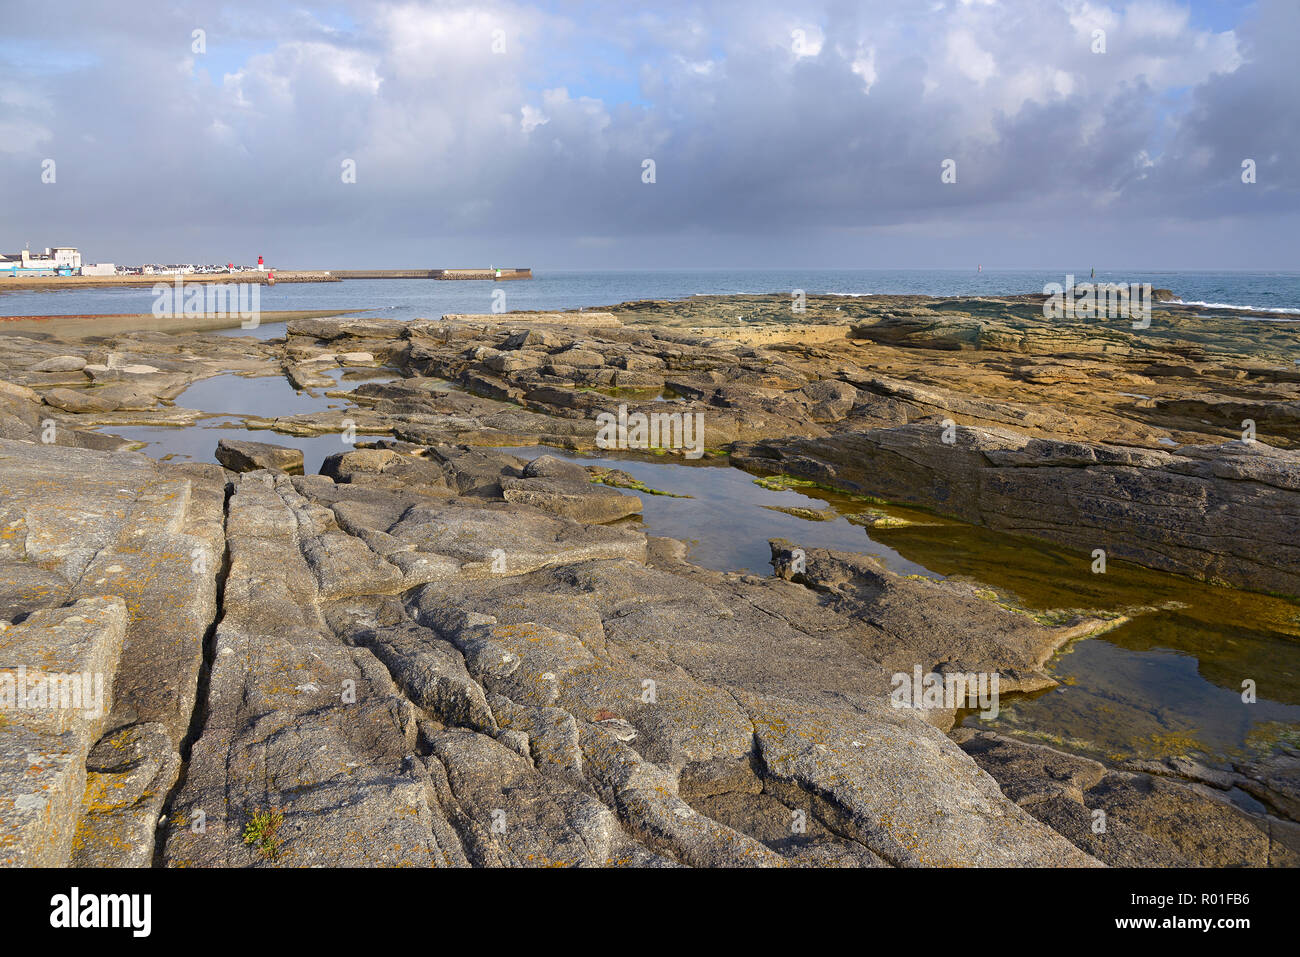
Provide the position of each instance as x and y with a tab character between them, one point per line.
56	260
65	257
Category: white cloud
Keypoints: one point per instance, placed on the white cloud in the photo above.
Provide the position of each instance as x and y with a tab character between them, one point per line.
532	118
970	58
865	67
1147	20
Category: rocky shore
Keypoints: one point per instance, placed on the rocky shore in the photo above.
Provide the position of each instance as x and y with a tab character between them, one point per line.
437	653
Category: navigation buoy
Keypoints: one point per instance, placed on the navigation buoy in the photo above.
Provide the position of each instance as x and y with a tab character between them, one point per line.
270	279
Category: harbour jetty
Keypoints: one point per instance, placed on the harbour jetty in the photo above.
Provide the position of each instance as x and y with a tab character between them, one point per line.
491	273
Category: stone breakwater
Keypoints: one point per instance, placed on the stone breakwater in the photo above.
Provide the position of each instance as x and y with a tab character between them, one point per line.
499	274
436	653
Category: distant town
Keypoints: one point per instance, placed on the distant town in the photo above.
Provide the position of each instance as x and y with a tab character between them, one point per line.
66	261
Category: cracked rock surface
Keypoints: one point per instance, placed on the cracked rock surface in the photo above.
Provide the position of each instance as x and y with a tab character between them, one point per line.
434	711
435	653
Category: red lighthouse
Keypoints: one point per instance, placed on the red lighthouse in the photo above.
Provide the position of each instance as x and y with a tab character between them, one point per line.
260	264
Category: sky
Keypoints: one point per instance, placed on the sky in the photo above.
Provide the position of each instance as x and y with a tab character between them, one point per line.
573	135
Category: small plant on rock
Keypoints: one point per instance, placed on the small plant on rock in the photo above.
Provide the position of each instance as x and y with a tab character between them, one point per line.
262	833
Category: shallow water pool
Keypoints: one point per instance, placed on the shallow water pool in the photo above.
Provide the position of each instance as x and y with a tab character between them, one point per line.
1167	682
268	397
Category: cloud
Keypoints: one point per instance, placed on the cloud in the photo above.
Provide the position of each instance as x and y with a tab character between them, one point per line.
503	123
969	58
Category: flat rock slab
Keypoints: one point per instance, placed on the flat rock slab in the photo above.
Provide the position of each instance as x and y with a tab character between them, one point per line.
56	683
580	500
241	456
79	524
585	318
1131	820
902	789
59	364
1225	513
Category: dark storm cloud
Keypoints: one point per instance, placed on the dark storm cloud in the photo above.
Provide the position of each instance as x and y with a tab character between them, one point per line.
777	130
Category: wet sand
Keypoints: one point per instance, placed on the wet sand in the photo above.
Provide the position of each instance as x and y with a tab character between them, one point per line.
80	327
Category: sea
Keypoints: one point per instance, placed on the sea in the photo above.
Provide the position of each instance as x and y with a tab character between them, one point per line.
403	299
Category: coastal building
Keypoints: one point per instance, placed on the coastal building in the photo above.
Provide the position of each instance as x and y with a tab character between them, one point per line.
66	258
55	261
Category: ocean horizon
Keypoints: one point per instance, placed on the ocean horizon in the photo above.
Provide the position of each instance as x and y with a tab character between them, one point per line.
403	299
